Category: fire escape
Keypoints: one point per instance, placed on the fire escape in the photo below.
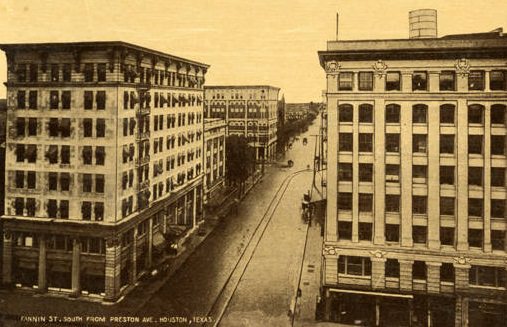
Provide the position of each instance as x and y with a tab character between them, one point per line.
143	141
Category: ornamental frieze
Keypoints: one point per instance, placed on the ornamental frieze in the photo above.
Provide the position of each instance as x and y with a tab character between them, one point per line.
462	260
332	66
330	250
380	68
462	67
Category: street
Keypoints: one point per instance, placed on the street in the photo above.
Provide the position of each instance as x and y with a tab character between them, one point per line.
247	270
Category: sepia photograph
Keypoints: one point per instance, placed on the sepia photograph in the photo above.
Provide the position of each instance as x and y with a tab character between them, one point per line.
235	163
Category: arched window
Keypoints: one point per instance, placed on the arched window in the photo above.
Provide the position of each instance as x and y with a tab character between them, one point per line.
345	113
475	114
498	114
447	113
365	113
393	113
419	114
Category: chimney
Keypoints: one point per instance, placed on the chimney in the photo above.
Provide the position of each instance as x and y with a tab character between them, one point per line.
423	23
337	21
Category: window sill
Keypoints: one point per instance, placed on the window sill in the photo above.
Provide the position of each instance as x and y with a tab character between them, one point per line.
354	276
392	279
499	288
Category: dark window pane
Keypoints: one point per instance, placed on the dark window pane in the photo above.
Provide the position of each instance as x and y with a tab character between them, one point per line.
345	81
447	81
497	80
393	113
393	81
476	80
365	81
88	100
447	114
419	81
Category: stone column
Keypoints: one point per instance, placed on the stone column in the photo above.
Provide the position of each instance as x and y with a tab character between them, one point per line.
42	278
7	257
461	318
462	82
355	174
433	173
486	80
331	231
406	275
194	207
113	269
185	209
487	179
133	276
462	175
434	81
379	173
406	81
433	278
461	280
378	276
150	242
76	267
406	175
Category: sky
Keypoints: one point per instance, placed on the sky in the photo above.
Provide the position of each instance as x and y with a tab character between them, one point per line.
272	42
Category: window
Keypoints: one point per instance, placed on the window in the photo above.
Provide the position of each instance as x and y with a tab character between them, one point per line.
53	100
475	238
447	144
419	143
52	208
498	177
65	154
392	203
498	145
447	114
55	71
419	81
487	276
31	153
101	100
99	211
419	270
34	70
86	210
66	100
64	209
447	81
87	127
345	172
447	206
365	232
475	176
365	81
419	205
345	142
365	113
87	155
21	73
475	207
31	179
365	142
498	114
476	114
419	174
447	272
20	126
476	80
345	230
345	113
344	201
53	127
19	205
447	236
64	181
20	179
365	172
32	127
393	173
66	72
497	208
30	207
356	266
87	183
100	154
419	234
32	100
393	113
392	142
393	81
99	183
101	72
498	240
21	99
475	144
392	268
125	126
345	81
392	233
52	154
88	72
88	100
365	202
101	127
419	114
65	127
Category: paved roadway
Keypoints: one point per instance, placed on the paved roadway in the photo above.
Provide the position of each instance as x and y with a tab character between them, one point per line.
247	270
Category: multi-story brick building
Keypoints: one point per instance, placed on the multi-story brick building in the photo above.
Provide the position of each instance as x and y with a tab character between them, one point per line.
296	111
250	111
103	163
214	156
416	193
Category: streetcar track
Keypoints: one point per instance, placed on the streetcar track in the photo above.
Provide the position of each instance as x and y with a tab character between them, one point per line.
216	312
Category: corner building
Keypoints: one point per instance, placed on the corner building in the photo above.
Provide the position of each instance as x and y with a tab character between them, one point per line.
103	163
250	111
415	233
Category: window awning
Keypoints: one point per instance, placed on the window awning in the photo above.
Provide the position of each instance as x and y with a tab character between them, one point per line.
407	296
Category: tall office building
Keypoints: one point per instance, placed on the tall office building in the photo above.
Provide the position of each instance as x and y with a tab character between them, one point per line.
103	163
416	194
215	130
250	111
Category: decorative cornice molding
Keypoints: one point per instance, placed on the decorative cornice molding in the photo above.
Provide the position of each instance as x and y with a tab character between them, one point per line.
378	254
462	260
380	68
330	250
462	67
332	66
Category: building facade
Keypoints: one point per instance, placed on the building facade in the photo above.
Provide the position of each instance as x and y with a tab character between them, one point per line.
296	111
214	157
103	163
250	111
416	221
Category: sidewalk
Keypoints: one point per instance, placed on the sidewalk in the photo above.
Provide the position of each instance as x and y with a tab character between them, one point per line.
14	304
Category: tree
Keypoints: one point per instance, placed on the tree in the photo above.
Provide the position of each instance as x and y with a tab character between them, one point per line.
239	161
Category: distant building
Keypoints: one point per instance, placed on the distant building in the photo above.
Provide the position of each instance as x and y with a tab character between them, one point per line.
214	155
416	179
250	111
3	117
103	163
296	111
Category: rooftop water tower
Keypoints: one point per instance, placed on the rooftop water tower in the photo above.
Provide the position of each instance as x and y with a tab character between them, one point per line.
423	23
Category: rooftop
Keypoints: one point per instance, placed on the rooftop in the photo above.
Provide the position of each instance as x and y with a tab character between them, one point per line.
241	87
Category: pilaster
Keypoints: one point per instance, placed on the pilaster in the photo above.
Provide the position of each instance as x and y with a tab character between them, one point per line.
487	178
461	280
378	276
433	279
462	174
42	277
433	173
7	257
150	242
406	176
406	275
113	269
133	276
332	176
379	166
434	82
76	267
355	174
406	81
